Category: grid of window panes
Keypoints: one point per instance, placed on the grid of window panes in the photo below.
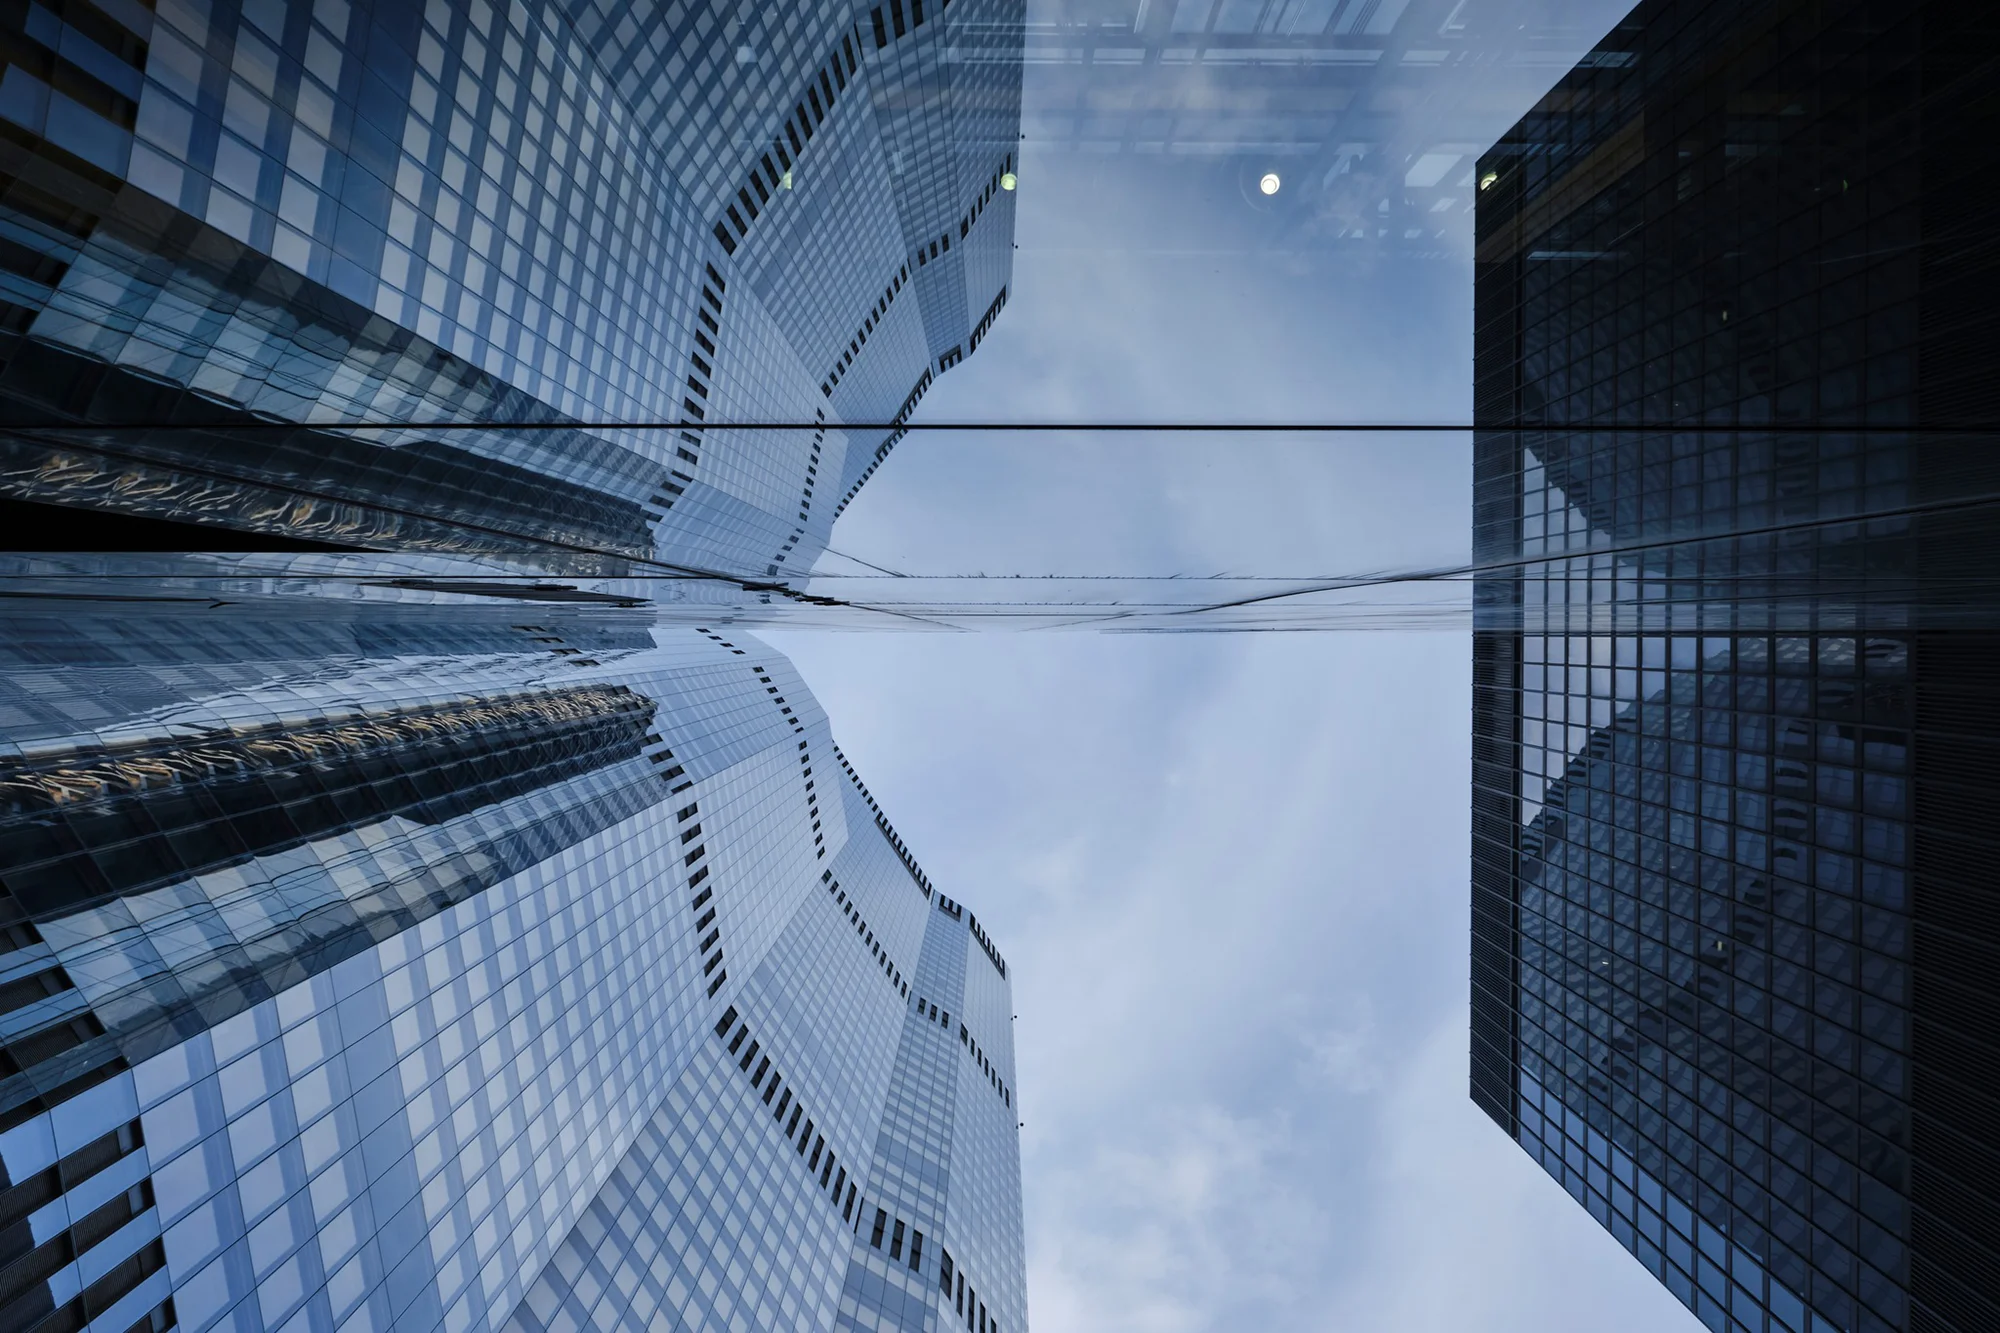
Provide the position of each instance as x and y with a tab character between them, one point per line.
983	1209
787	1155
709	1222
398	1139
498	219
405	1136
911	1167
517	211
1698	693
935	1227
1712	895
492	1064
163	876
1713	973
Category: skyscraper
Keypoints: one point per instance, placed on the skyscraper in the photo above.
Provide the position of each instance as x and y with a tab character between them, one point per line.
1732	912
388	949
239	235
408	966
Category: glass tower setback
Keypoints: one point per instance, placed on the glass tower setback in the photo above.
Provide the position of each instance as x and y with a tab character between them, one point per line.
411	969
413	276
1733	923
388	946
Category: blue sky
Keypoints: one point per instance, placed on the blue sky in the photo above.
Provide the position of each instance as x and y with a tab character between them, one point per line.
1229	871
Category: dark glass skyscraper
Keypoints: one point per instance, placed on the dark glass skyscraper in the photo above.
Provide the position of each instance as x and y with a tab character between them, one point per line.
1734	909
392	937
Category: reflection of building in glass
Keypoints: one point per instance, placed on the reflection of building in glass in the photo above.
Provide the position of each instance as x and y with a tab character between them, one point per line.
233	235
1369	111
386	945
1733	906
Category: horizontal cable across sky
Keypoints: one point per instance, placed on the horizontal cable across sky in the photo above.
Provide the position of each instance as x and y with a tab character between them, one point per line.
1960	428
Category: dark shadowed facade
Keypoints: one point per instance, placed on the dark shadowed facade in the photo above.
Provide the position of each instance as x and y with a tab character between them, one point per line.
1734	740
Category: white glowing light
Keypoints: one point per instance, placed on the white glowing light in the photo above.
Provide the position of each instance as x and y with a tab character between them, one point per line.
1270	183
1007	180
1486	181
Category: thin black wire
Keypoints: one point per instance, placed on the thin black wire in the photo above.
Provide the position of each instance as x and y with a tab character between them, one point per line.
842	555
1476	568
1045	427
914	612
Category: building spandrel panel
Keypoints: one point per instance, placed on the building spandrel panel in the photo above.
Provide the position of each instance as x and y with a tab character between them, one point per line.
1726	750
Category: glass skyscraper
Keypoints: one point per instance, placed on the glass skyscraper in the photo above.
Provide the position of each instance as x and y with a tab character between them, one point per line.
395	938
412	276
1733	905
379	970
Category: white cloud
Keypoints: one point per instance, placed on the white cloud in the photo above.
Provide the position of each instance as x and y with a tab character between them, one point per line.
1348	1055
1195	1225
1468	1234
1229	875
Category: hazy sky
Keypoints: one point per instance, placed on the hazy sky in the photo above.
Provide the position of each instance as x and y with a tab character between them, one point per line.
1229	872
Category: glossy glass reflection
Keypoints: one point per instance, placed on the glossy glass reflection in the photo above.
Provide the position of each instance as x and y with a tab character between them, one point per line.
381	877
424	903
1740	489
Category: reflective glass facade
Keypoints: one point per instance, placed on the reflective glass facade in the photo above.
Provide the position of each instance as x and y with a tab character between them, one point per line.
1732	732
443	970
235	231
384	946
